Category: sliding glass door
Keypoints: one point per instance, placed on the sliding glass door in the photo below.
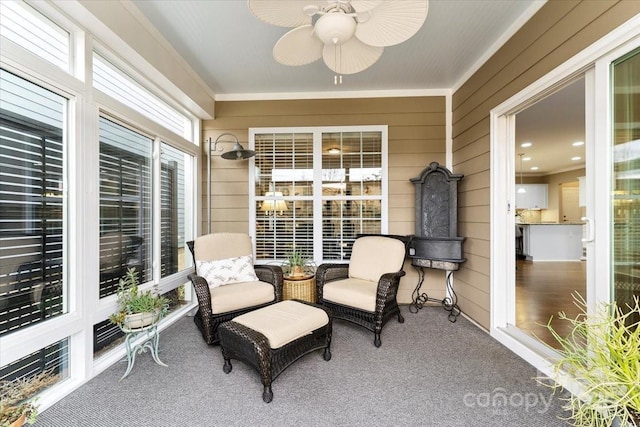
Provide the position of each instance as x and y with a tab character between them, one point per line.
609	195
625	192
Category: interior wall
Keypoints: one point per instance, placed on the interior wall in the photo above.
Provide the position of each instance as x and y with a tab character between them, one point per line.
555	180
558	31
417	137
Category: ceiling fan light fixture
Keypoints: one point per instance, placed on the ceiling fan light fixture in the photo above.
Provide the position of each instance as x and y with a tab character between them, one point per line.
335	28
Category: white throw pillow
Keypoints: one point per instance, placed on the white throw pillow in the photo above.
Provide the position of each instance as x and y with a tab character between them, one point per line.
225	271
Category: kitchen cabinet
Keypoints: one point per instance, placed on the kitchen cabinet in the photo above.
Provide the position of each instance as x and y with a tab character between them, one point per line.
552	242
536	196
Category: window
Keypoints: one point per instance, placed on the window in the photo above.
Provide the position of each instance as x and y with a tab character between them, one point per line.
52	359
32	203
284	194
29	29
127	216
351	190
316	190
125	205
106	168
115	83
175	167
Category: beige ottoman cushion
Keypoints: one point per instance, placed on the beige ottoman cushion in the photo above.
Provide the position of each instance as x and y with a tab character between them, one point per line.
284	322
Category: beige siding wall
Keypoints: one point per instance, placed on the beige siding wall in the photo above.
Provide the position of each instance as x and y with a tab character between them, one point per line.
416	138
559	30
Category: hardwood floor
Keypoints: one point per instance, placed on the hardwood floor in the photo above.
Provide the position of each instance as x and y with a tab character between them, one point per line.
542	290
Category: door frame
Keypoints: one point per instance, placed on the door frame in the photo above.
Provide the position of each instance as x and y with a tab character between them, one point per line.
591	62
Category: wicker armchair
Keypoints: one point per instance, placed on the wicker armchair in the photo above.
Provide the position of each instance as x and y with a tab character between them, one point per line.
217	305
364	291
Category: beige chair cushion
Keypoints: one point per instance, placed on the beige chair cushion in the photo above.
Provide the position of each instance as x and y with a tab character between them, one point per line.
217	246
351	292
284	322
372	256
240	295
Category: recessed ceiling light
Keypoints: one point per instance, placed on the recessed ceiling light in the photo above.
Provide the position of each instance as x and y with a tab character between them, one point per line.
534	168
576	158
526	159
526	144
333	150
578	143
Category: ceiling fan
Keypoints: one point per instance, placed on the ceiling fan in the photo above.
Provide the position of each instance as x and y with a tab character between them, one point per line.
349	35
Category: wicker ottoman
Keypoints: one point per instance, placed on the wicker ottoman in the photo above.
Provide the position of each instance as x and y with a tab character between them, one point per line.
272	338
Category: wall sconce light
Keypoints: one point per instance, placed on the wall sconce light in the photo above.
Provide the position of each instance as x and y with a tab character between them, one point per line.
236	153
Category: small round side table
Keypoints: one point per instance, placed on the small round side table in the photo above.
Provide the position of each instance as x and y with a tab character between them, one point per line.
300	287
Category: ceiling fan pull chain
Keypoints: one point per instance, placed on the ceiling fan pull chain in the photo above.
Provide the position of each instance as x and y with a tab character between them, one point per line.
337	56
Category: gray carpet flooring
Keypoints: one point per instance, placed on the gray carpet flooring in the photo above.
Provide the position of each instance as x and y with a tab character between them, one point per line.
428	372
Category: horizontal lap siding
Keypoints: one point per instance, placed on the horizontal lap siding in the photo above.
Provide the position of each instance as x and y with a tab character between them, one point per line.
558	31
417	132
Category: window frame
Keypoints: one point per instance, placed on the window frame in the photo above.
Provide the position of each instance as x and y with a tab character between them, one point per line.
318	198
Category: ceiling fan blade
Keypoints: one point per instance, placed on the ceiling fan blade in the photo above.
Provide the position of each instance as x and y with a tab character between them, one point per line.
298	47
393	22
284	13
364	5
351	57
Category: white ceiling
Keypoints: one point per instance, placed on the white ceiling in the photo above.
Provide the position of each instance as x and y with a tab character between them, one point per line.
231	50
552	125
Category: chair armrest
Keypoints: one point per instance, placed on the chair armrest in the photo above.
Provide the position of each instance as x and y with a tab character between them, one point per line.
329	272
201	287
388	285
271	274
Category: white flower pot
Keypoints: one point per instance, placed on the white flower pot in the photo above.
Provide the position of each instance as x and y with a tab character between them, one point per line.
140	320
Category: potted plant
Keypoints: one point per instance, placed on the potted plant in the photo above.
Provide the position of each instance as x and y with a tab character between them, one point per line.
17	401
602	354
137	309
296	264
